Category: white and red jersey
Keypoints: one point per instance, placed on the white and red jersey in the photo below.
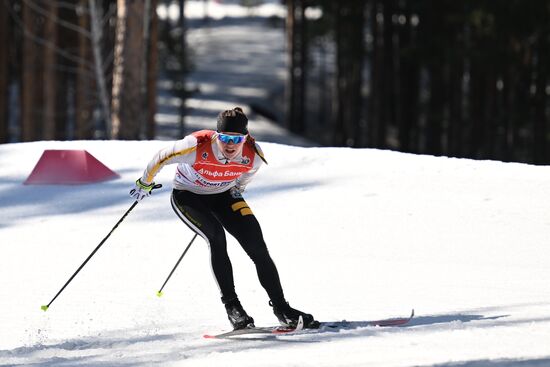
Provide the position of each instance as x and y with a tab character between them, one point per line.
202	168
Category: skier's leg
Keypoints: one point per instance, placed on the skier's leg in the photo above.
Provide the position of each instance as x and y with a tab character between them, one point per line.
237	217
194	211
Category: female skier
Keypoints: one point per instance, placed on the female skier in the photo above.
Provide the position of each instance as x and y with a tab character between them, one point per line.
213	170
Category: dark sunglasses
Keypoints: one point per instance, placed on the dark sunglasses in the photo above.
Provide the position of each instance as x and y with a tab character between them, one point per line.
235	139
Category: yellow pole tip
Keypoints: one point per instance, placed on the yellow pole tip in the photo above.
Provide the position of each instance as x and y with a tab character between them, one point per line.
44	308
159	294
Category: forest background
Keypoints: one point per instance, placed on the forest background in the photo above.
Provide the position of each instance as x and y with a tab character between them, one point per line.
461	79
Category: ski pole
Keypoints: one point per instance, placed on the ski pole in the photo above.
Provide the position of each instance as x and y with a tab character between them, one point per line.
159	293
45	307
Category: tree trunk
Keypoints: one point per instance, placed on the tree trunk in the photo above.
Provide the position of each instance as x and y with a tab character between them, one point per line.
477	102
300	125
455	98
4	76
96	27
83	84
296	50
376	131
409	84
349	61
540	130
50	73
152	72
434	128
290	44
181	93
128	101
388	67
30	104
113	131
489	114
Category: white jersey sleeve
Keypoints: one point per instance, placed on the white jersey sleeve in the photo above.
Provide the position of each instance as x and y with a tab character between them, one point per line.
182	151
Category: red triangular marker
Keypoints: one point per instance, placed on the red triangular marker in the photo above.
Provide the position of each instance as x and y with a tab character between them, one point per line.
68	167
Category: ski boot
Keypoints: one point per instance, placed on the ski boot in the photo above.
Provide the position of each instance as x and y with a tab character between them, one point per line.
289	316
237	316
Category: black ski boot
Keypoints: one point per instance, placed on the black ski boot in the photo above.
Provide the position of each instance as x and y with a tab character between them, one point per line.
289	316
237	315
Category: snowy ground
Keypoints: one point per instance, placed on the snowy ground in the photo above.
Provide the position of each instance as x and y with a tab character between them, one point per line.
357	235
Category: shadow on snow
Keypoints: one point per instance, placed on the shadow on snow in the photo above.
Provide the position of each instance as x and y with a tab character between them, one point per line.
172	347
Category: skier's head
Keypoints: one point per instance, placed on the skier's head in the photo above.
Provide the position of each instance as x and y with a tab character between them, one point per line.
232	132
233	121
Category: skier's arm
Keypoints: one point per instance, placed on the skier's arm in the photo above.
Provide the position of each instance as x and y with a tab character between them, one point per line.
176	153
180	152
245	178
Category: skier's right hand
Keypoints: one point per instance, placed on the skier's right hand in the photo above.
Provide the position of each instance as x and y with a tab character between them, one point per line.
142	190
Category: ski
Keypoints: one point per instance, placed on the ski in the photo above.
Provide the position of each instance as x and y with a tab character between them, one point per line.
341	325
268	330
321	327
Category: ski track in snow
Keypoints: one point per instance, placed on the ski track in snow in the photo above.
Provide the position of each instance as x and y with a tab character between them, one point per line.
378	232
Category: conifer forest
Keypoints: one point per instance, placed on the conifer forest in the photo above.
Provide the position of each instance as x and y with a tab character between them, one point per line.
466	79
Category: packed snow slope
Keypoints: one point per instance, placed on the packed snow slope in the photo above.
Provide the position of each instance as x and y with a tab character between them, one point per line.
357	234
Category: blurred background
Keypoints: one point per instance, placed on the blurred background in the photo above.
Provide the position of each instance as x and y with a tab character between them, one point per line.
456	78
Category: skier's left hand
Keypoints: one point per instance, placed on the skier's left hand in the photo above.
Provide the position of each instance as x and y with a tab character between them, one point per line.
236	192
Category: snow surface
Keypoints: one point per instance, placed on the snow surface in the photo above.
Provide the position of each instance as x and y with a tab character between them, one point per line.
357	234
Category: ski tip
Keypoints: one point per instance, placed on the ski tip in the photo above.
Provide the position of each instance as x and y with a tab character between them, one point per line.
159	294
44	308
208	336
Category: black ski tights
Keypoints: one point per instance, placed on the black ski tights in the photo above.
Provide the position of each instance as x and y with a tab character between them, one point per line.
208	215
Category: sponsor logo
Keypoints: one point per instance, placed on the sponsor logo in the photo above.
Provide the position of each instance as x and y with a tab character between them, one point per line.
203	182
245	160
205	155
215	174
